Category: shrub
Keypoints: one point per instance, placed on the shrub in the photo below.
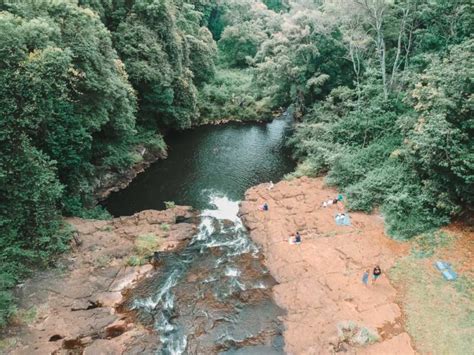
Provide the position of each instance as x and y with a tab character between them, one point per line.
135	260
170	204
146	244
7	305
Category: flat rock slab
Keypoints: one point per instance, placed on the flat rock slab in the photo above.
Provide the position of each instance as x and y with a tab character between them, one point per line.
75	306
320	279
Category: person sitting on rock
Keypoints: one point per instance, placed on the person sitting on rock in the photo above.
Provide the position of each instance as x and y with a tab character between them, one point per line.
340	216
264	207
297	238
376	273
270	185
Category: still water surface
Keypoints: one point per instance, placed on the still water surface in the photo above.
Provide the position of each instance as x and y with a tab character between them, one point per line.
225	159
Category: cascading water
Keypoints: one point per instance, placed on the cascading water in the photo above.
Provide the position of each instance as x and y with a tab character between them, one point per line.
214	296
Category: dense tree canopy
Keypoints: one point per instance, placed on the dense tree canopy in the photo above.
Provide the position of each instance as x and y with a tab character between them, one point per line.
381	90
400	135
76	97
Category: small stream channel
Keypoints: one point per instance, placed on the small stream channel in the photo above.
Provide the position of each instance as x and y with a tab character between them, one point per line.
213	296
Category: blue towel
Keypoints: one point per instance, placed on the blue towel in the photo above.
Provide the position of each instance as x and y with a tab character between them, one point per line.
346	221
449	275
441	265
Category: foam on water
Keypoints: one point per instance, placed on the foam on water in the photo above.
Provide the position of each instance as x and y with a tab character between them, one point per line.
163	296
219	228
225	208
232	272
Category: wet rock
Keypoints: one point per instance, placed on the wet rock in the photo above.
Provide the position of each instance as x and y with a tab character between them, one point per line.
108	181
125	278
128	275
227	223
115	329
182	231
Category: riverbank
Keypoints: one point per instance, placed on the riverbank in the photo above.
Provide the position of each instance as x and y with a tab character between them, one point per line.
113	181
76	307
109	182
328	307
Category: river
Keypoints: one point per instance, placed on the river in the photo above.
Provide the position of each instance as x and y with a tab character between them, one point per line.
214	296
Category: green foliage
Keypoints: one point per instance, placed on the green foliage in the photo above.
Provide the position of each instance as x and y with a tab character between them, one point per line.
363	152
277	5
135	261
426	244
26	316
7	305
170	204
439	135
166	54
231	95
300	62
239	43
165	227
411	154
145	245
382	91
30	224
102	261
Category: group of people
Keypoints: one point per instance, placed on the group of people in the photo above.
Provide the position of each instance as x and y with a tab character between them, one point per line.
376	272
334	201
296	239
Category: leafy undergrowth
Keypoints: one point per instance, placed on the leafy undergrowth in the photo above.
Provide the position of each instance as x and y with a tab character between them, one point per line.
144	247
7	344
439	313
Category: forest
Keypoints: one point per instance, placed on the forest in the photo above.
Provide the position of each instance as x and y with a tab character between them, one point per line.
381	92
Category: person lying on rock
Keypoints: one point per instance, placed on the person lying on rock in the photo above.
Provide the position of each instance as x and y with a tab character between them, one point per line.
330	202
333	201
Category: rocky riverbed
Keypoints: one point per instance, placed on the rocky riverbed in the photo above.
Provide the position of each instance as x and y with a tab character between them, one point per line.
77	307
328	308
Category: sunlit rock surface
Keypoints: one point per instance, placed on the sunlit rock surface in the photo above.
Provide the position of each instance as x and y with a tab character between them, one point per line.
320	279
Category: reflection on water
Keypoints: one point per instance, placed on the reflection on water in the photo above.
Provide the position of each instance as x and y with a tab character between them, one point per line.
224	159
215	295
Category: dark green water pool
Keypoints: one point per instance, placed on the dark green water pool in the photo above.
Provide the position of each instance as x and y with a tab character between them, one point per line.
224	160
